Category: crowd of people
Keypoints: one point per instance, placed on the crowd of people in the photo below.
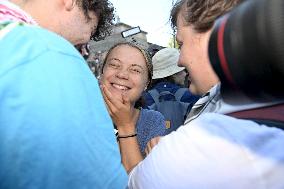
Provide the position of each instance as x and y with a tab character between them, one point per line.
62	128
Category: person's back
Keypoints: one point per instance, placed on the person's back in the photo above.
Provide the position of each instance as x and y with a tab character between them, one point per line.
219	151
52	135
169	94
50	127
214	151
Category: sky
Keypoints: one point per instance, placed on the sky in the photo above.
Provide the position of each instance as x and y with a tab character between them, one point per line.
152	16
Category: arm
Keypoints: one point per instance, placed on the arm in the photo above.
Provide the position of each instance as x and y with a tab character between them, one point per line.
124	117
151	144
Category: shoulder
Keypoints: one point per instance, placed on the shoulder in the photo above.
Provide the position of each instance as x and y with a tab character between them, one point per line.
244	133
29	45
36	40
195	149
152	121
151	114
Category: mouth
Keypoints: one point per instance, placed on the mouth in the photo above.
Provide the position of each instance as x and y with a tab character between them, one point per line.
120	87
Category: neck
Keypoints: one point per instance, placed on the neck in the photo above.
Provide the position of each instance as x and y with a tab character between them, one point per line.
35	10
25	6
20	3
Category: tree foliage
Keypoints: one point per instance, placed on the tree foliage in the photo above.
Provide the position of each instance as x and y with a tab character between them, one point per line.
173	42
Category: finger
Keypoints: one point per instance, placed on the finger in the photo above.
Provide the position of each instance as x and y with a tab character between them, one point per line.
106	92
111	108
105	97
113	99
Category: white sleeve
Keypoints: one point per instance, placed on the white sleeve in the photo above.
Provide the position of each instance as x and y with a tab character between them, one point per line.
213	150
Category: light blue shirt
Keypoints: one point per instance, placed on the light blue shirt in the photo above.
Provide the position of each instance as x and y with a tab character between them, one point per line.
55	131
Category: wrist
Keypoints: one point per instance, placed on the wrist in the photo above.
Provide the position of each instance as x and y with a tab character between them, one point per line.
126	136
126	130
119	136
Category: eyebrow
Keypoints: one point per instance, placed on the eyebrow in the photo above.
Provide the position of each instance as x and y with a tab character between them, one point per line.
114	59
130	65
137	65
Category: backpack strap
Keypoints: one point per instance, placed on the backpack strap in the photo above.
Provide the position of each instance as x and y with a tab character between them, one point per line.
166	93
155	95
271	116
179	93
158	96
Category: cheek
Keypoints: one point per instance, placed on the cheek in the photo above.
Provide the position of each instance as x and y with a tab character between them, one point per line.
182	59
102	79
186	50
106	76
141	84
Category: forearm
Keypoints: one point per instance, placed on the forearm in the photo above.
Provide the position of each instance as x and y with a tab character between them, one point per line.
129	149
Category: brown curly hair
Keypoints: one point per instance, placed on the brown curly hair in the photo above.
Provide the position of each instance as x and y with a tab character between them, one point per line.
105	11
201	13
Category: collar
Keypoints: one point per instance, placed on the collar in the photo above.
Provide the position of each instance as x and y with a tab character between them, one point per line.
209	102
11	12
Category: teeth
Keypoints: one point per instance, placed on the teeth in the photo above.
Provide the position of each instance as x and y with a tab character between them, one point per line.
120	87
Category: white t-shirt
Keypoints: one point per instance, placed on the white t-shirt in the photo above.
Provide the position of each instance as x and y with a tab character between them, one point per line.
217	152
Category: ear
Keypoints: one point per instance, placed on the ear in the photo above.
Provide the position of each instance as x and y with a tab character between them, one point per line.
69	4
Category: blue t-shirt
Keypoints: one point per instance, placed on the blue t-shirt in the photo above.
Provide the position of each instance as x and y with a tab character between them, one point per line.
150	124
55	131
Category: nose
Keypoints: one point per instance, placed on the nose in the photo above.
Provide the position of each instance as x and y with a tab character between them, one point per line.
122	74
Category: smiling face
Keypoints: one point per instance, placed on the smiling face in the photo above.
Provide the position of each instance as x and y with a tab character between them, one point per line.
194	57
125	71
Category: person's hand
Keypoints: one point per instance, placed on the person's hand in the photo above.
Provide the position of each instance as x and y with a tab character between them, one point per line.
123	114
150	145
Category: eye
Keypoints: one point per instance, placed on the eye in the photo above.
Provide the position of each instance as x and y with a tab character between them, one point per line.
113	64
136	70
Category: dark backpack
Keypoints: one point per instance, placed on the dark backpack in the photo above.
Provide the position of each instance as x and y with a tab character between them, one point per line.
171	107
